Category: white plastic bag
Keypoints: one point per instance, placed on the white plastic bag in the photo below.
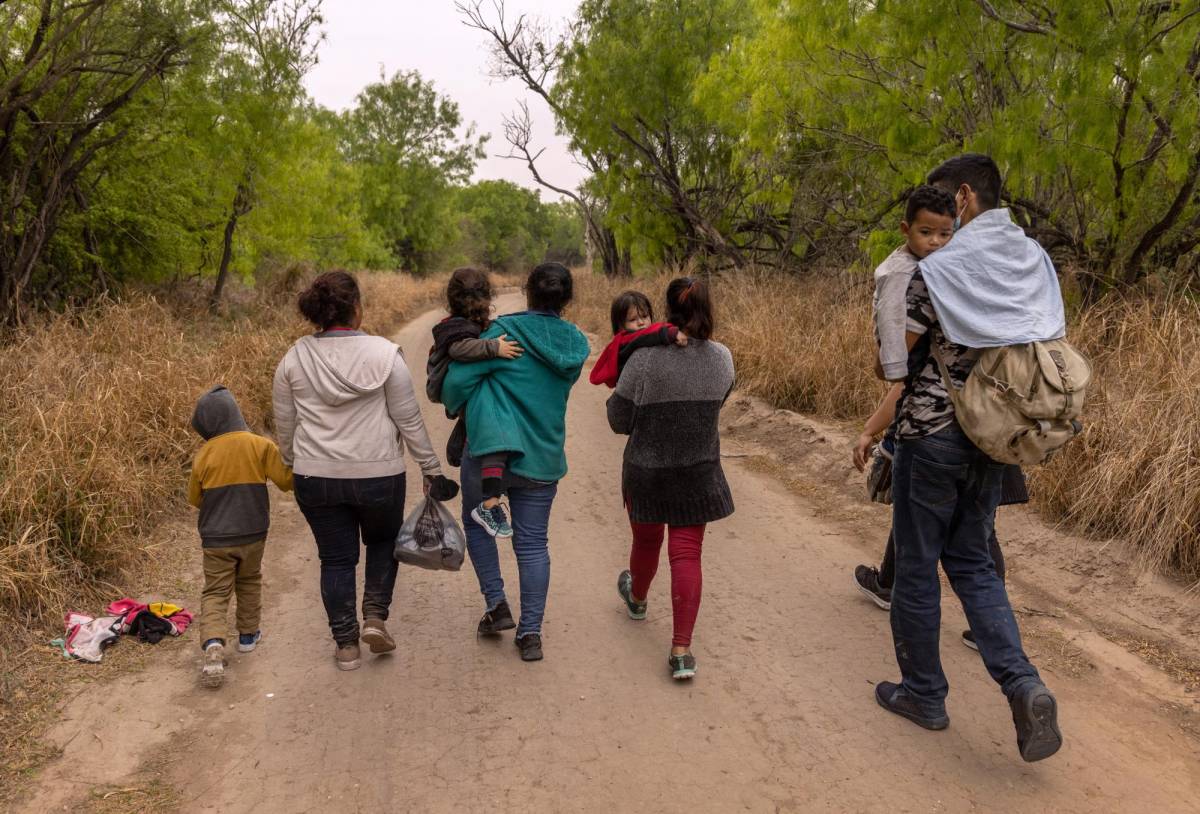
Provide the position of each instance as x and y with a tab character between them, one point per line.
431	538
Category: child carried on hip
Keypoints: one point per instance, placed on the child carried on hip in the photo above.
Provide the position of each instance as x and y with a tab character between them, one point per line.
457	339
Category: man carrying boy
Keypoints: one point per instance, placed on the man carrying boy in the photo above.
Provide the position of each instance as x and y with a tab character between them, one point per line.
991	286
229	487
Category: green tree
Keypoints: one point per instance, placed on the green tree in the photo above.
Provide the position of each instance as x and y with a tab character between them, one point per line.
1089	108
565	229
67	71
505	227
269	46
403	137
628	86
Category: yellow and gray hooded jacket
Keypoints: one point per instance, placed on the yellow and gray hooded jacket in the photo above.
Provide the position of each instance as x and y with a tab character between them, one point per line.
230	474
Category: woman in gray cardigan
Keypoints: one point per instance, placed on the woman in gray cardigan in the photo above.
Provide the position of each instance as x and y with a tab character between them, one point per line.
668	401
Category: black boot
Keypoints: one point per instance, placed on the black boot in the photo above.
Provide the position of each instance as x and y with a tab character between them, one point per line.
497	619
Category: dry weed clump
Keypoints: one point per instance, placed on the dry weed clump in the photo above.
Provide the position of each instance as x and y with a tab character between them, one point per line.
95	442
1135	472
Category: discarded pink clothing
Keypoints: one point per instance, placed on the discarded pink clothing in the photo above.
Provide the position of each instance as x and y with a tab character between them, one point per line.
87	637
181	619
126	608
130	609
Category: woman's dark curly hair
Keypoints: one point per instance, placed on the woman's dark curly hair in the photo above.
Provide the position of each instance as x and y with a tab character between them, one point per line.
469	295
331	301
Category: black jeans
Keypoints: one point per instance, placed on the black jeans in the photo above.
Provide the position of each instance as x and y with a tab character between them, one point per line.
339	511
945	492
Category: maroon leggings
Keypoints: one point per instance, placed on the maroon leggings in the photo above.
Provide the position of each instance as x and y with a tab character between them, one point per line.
683	550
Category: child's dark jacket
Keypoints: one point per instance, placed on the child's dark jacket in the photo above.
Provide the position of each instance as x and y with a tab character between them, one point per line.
454	339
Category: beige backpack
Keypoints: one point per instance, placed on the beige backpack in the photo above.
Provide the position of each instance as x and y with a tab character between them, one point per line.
1021	403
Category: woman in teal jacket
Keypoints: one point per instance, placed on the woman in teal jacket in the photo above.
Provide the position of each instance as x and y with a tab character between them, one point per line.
519	406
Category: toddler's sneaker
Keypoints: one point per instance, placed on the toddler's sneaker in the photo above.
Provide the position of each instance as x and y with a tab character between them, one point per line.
494	521
637	610
866	578
248	641
212	672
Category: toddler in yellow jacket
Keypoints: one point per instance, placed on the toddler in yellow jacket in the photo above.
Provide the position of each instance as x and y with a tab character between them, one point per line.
229	487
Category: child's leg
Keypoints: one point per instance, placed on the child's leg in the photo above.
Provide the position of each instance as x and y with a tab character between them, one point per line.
220	569
887	568
249	587
687	580
643	556
491	471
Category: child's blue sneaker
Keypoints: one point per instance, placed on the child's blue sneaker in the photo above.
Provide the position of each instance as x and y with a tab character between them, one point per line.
494	521
248	641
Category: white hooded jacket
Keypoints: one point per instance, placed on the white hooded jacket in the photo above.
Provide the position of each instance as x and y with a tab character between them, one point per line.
345	408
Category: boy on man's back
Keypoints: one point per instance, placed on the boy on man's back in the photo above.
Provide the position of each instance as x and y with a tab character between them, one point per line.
945	490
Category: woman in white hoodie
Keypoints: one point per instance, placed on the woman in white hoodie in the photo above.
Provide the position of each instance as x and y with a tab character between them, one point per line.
344	411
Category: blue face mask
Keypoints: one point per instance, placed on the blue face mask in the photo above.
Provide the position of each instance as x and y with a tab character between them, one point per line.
958	217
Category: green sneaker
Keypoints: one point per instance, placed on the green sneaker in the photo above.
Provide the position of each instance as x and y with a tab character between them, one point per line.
682	667
637	610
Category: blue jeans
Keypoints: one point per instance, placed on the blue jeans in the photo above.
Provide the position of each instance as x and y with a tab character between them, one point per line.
340	512
530	506
945	492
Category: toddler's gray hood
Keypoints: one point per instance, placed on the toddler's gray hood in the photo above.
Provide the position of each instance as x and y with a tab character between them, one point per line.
217	413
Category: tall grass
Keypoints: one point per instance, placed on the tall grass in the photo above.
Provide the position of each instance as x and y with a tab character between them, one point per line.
95	442
806	344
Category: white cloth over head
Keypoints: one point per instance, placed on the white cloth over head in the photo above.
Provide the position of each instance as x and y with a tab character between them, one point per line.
992	285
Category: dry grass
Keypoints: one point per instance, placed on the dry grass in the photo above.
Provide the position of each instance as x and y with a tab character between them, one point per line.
95	448
1136	471
805	344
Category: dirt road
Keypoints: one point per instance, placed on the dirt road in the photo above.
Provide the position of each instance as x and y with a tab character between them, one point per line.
780	718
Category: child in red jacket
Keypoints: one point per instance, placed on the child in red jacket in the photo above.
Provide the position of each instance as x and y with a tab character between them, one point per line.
633	327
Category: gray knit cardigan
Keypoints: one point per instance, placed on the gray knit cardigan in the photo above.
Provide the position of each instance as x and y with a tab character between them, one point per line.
668	402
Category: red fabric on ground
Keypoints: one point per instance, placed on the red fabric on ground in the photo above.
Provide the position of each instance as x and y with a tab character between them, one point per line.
687	580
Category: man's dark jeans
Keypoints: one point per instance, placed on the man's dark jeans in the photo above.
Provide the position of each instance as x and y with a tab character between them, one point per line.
339	511
945	492
887	568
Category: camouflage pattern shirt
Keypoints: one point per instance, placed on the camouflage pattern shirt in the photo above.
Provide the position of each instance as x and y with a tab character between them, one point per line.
925	407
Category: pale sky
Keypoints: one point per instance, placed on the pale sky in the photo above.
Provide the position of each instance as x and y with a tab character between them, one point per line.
428	36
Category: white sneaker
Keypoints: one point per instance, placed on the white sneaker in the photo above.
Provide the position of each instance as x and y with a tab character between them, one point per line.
212	673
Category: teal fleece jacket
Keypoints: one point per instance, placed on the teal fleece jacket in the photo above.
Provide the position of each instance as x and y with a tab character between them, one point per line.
520	405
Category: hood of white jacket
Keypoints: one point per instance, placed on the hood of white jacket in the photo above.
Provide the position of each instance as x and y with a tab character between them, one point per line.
343	368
